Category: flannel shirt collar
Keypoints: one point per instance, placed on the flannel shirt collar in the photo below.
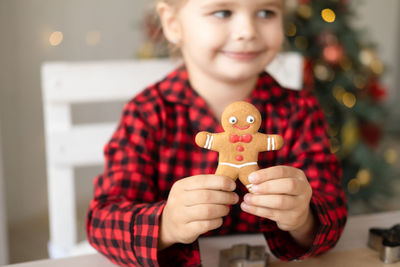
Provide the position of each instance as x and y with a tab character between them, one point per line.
176	88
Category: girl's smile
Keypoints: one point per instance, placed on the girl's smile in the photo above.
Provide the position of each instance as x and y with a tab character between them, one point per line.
242	56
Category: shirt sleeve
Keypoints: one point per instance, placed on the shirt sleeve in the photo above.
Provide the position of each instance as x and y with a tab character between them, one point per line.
308	148
124	215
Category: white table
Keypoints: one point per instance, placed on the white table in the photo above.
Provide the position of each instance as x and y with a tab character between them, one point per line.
350	250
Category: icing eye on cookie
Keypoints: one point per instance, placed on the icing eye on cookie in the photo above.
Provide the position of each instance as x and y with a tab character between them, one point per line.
250	119
232	120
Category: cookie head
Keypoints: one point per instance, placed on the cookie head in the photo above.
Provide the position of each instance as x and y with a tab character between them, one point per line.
241	118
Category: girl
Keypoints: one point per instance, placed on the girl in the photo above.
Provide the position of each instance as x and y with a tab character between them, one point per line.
158	193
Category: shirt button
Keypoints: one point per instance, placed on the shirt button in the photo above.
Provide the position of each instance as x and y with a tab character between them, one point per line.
240	148
239	158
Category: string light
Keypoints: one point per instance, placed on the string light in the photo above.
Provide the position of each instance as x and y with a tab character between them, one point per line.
349	100
322	72
335	145
338	92
328	15
56	38
346	64
391	156
93	38
350	135
333	130
290	29
353	186
301	42
360	81
364	177
305	11
377	67
369	58
366	56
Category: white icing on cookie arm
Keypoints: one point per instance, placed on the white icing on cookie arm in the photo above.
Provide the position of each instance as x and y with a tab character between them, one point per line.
271	142
209	141
206	140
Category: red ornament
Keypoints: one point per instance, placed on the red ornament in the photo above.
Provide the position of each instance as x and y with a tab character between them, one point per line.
376	90
333	54
371	134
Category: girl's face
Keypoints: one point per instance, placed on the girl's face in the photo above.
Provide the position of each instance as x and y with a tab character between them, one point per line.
229	40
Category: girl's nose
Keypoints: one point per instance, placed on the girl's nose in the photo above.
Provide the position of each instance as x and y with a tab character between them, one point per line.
244	29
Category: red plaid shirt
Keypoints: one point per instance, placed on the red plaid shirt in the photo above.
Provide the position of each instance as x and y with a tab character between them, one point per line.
154	147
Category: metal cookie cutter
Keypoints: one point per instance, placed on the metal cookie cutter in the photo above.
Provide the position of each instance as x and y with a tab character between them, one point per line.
387	242
243	255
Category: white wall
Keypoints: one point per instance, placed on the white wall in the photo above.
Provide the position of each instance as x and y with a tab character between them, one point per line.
24	30
3	217
25	27
382	21
4	77
30	24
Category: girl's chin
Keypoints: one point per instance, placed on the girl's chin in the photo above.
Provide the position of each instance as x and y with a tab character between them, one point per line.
240	77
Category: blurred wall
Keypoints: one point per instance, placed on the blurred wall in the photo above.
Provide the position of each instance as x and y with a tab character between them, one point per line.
25	27
382	21
3	227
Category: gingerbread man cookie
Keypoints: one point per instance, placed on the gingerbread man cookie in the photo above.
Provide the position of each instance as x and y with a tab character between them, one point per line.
241	142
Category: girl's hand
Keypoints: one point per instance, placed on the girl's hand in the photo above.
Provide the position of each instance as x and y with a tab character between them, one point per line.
282	194
195	206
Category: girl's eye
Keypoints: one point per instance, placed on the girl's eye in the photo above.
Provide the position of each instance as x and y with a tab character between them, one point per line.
232	120
222	14
250	119
265	14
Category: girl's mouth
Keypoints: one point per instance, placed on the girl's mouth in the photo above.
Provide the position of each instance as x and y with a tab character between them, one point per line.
242	128
241	55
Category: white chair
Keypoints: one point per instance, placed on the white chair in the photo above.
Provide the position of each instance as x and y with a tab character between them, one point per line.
71	146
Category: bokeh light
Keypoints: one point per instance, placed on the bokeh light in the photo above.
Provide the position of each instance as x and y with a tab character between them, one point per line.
56	38
328	15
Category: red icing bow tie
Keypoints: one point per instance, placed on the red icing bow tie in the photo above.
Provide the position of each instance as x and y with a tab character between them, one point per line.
243	138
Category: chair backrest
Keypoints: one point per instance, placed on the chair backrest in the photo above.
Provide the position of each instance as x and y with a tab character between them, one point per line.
70	146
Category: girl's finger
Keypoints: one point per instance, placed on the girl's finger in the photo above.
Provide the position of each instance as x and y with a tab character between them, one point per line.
288	218
276	172
197	197
201	227
280	202
205	212
272	214
288	186
212	182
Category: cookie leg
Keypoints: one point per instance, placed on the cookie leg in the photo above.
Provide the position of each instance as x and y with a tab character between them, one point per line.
231	172
244	174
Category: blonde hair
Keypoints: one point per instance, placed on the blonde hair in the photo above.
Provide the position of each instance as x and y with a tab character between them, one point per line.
174	50
173	3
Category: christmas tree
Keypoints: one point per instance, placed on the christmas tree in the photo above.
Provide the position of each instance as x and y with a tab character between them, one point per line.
343	70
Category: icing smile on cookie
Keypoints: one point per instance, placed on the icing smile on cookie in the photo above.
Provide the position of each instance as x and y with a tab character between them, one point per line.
241	128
